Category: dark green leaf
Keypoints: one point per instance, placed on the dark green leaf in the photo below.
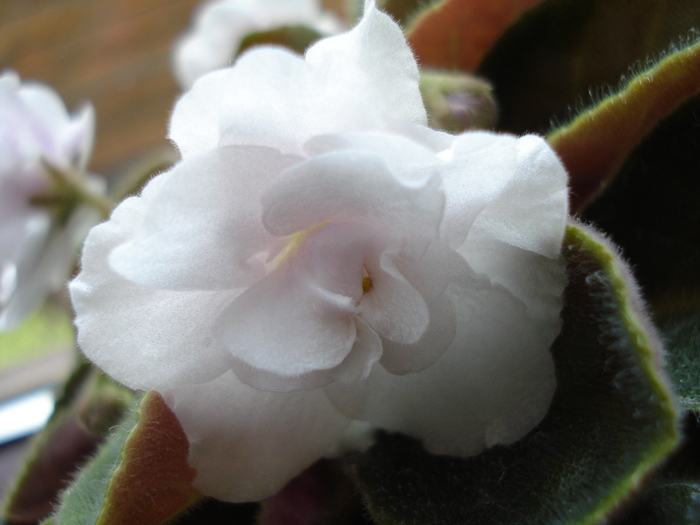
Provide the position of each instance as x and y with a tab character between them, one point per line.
611	422
561	51
651	210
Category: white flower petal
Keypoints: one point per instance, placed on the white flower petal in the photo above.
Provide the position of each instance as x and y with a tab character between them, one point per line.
167	334
492	386
366	351
429	272
220	27
351	186
202	230
275	98
517	237
392	307
301	327
247	444
479	166
530	211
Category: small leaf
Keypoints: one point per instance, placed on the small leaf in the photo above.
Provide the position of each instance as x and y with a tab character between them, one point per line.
297	38
595	145
140	476
611	422
457	34
562	51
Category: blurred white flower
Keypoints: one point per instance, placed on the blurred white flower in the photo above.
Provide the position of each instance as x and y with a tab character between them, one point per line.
221	25
321	260
36	253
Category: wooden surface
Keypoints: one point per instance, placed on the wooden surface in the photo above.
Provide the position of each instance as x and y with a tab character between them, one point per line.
115	53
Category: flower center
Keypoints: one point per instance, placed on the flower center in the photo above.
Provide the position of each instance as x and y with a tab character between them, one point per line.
366	281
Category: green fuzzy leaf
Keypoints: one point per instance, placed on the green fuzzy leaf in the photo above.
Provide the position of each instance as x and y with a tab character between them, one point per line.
562	51
297	38
651	210
88	407
596	144
82	502
142	476
611	422
672	496
671	503
682	333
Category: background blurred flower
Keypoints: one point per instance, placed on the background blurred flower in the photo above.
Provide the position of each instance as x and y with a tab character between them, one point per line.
38	139
221	25
320	258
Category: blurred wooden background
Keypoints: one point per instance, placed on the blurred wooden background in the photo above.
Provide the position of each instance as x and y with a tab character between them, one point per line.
115	53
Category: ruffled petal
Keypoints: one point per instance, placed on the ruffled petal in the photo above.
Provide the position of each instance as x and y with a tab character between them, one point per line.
116	318
366	351
272	97
352	186
286	324
478	167
392	307
246	444
492	386
530	210
410	160
202	230
517	237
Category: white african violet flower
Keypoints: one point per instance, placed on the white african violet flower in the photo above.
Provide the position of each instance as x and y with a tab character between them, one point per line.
35	254
321	258
221	25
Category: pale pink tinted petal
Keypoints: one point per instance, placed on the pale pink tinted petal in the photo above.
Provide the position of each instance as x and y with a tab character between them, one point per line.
410	160
334	257
77	139
246	444
492	386
287	325
429	272
351	186
365	352
22	240
202	229
271	382
401	359
393	308
116	317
